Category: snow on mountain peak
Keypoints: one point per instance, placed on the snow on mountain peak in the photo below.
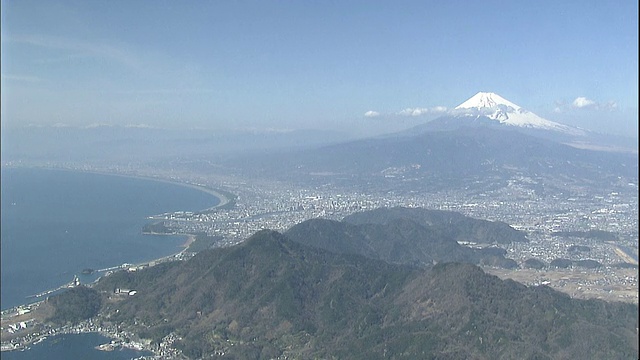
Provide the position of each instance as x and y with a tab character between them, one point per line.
495	107
486	100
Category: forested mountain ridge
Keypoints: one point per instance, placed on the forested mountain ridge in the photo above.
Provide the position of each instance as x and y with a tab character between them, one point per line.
271	297
401	241
449	223
410	236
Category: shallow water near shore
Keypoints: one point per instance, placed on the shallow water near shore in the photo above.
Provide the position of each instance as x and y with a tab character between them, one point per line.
57	223
73	346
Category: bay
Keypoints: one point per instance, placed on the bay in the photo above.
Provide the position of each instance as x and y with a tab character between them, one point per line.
56	223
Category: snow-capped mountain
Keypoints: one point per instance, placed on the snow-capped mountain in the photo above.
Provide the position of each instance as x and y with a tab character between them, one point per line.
495	107
490	110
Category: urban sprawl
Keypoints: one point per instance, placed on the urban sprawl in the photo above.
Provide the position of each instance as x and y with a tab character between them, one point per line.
262	204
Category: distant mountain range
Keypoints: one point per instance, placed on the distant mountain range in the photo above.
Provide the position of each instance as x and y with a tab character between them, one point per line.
484	142
486	138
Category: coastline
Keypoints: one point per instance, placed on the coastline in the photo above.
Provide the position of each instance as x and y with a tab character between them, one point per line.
190	239
23	342
224	200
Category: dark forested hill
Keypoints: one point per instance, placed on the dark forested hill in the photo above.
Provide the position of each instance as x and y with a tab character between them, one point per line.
272	297
400	241
410	236
449	223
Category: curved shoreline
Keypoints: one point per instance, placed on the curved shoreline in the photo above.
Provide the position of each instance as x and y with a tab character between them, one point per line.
224	200
188	238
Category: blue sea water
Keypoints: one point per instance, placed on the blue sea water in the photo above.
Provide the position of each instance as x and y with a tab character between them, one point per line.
73	346
57	223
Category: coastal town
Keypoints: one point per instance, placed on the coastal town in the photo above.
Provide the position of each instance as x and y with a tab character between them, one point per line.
246	207
29	331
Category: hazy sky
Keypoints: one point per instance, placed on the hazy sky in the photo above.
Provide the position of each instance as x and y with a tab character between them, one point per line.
314	64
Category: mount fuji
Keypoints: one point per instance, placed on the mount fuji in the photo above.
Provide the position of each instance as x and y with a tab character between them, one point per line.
484	142
490	110
497	108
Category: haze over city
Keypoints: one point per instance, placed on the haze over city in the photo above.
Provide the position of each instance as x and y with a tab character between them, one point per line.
330	180
350	66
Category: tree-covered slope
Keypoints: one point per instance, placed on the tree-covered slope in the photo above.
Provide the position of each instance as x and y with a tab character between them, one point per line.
399	241
449	223
271	296
410	236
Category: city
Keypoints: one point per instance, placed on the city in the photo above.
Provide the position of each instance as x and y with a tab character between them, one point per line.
264	204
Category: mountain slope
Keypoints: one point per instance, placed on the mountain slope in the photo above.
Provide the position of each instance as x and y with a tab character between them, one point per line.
401	241
450	158
409	236
497	108
448	223
271	297
269	293
487	109
483	143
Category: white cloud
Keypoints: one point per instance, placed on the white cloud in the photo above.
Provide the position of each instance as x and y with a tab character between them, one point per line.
583	102
422	111
409	112
413	111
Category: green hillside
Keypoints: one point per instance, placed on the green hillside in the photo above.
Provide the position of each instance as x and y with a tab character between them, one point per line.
271	297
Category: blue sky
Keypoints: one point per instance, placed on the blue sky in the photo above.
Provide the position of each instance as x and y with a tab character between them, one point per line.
315	64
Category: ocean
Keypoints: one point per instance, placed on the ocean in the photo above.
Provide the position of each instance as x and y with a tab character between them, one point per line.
56	223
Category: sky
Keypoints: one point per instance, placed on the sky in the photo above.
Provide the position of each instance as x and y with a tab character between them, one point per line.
314	64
